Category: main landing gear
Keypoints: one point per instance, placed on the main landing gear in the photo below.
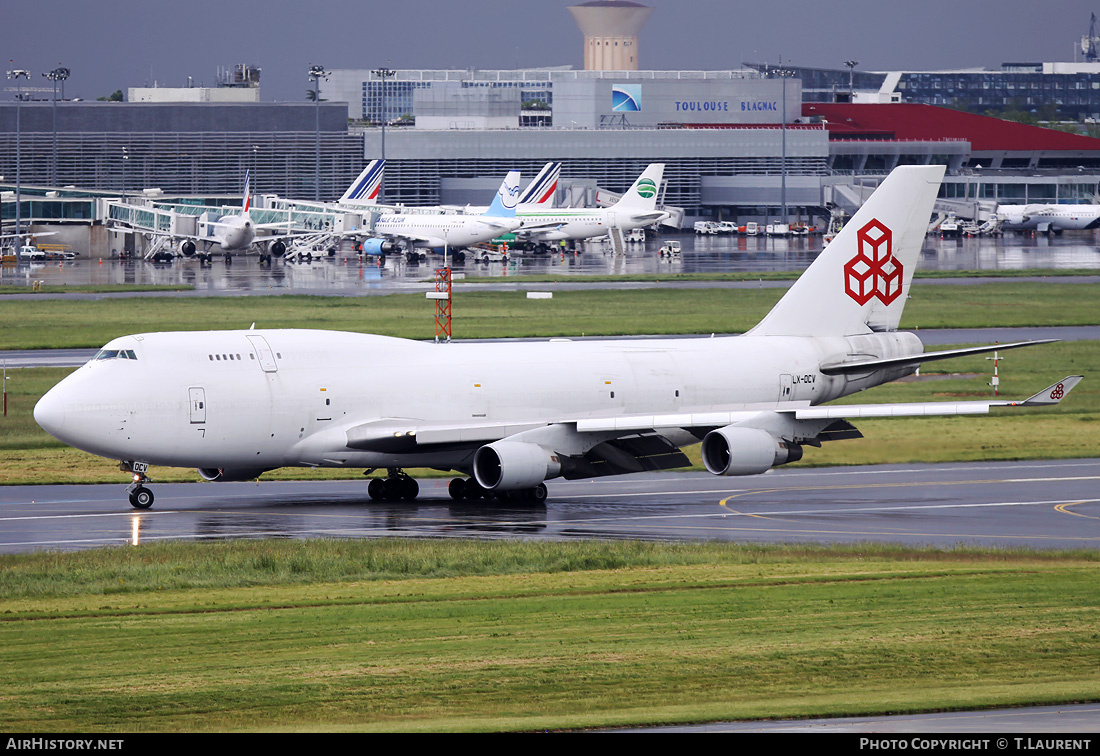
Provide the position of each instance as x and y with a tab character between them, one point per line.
396	486
469	489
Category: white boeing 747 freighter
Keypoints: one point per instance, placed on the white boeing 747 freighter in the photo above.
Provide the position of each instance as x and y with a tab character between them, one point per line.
513	414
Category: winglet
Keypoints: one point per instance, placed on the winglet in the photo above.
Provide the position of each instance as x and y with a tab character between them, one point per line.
247	194
1054	393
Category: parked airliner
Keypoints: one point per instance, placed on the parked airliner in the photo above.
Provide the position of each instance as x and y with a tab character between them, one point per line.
236	232
1050	217
635	209
454	230
511	415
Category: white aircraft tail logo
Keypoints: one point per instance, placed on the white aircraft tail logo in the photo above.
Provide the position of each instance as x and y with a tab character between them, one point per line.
364	190
541	190
246	201
504	203
643	194
859	282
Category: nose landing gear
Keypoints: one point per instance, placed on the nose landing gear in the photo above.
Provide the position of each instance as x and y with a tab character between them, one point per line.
140	496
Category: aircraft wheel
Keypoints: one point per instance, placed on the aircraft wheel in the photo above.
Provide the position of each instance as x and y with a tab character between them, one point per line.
538	493
474	490
375	489
141	498
457	489
410	489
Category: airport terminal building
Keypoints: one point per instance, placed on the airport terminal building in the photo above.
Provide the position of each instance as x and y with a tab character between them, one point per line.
180	147
737	144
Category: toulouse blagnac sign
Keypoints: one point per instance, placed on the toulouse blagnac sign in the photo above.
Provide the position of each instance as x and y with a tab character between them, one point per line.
628	97
724	106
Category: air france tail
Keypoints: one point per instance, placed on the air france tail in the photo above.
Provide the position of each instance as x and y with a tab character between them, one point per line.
504	204
643	194
364	190
859	282
540	192
246	200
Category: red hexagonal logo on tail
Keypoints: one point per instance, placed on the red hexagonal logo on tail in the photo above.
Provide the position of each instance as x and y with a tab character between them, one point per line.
874	271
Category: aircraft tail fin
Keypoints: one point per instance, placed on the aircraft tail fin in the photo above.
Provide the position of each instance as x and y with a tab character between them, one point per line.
643	194
860	281
364	190
507	197
246	200
540	192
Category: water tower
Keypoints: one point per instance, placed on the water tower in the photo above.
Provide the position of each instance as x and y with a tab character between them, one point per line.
610	29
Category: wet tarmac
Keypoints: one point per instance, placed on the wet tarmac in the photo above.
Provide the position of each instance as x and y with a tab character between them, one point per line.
345	272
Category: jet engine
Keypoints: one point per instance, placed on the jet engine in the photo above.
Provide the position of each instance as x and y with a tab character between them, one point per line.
746	451
378	247
277	249
187	247
229	474
512	465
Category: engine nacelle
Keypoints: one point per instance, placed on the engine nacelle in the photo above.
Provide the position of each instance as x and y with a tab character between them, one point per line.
187	247
378	247
512	465
746	451
230	474
277	249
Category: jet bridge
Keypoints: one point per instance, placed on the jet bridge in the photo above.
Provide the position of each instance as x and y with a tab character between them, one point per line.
155	224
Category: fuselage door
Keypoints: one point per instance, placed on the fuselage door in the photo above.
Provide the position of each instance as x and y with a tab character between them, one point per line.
786	387
197	398
264	355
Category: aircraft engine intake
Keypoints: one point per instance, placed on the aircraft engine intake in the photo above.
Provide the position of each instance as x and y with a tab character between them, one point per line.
511	465
379	247
278	249
225	475
187	247
746	451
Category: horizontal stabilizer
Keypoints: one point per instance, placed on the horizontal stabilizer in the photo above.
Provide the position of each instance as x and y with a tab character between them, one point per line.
1053	393
866	366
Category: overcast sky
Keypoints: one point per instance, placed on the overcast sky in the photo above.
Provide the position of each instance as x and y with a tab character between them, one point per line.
115	44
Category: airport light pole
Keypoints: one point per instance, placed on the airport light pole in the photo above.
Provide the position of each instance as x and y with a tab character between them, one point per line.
18	73
383	73
784	74
56	75
851	77
316	73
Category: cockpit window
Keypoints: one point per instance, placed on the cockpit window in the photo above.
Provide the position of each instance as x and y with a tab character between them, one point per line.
115	354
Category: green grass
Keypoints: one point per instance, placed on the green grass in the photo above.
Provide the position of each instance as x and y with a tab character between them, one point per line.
490	636
54	323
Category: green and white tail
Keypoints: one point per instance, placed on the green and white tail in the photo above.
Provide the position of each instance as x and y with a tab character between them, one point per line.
859	282
642	195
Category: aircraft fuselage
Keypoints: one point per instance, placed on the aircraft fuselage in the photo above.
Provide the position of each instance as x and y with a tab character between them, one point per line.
258	400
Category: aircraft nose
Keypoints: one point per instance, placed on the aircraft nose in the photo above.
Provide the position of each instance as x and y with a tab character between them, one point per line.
49	412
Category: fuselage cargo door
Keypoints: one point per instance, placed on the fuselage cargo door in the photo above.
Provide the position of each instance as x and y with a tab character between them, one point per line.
786	387
197	398
264	355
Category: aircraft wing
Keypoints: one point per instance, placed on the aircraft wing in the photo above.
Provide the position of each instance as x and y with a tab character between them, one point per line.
539	226
865	366
803	411
400	435
405	236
